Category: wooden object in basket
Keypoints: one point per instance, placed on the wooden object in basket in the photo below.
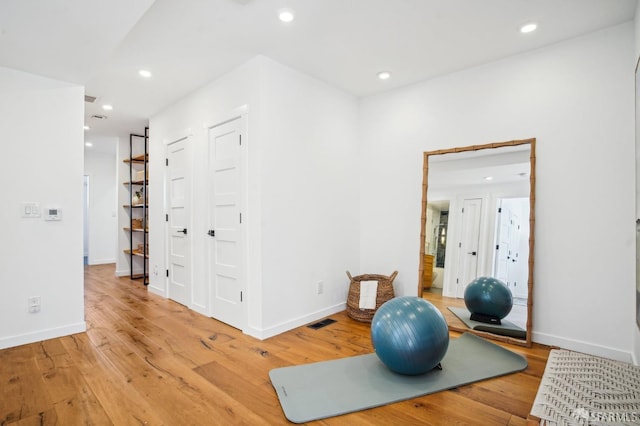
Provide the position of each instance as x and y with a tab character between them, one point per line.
385	293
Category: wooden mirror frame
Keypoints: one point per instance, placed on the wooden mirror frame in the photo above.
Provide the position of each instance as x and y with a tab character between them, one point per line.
532	199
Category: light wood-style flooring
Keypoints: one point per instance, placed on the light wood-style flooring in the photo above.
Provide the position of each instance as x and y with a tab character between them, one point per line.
145	360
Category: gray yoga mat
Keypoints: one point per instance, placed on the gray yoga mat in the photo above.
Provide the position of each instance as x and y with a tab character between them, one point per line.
507	328
331	388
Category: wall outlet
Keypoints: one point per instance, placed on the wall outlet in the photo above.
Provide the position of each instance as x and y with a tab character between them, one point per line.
34	304
320	287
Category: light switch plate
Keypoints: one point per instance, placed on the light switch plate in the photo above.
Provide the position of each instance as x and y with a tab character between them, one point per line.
30	210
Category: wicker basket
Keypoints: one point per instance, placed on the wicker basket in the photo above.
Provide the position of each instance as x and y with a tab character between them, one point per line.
385	293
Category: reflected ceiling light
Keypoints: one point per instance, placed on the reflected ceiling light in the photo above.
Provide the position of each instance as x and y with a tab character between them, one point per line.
488	178
384	75
88	144
87	127
286	15
528	28
107	107
145	73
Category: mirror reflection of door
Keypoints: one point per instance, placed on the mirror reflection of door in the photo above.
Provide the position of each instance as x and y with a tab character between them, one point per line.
512	248
469	244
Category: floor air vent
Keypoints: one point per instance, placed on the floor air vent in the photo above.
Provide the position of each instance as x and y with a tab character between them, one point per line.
323	323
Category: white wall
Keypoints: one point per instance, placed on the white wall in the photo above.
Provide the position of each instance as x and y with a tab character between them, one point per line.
42	136
636	330
309	197
101	168
301	216
190	117
576	98
122	199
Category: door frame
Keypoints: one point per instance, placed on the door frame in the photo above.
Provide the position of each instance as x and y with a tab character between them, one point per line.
241	113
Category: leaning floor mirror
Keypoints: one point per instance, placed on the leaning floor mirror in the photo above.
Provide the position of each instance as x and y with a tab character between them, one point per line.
477	223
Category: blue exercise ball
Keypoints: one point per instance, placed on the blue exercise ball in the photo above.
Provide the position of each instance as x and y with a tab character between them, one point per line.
409	335
488	296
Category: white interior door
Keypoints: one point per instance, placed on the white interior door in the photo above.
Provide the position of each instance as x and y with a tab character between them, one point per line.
503	253
512	253
179	241
468	244
225	187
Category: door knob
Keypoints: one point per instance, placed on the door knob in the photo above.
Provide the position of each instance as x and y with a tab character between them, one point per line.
211	233
472	253
184	231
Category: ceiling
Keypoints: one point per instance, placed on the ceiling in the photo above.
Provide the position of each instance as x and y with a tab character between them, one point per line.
470	169
187	43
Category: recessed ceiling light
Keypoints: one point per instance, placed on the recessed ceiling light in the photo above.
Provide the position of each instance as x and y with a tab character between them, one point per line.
286	15
87	127
384	75
145	73
107	107
88	144
528	28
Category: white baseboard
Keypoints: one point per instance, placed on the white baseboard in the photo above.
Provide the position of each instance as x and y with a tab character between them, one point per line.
584	347
51	333
201	309
122	273
157	290
294	323
125	272
100	261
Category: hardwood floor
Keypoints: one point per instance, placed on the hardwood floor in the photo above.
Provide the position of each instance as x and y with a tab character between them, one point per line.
147	360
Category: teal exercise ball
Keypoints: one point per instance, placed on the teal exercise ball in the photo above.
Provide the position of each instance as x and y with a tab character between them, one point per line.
409	335
488	296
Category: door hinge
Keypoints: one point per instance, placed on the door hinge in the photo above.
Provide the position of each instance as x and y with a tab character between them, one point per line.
499	209
241	296
240	217
166	217
166	161
497	246
240	139
459	244
463	210
167	273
